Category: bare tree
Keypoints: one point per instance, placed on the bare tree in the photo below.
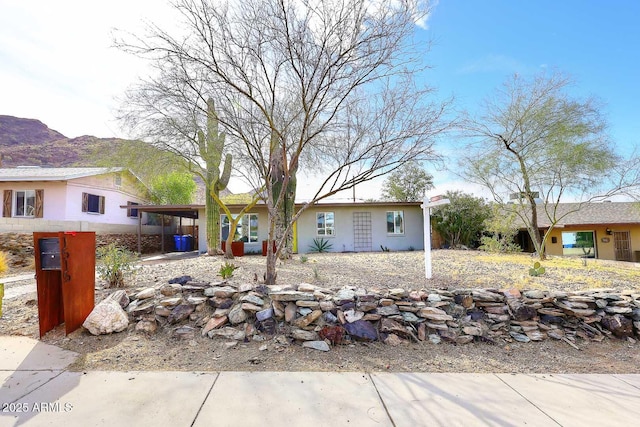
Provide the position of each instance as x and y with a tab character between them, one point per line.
328	81
533	142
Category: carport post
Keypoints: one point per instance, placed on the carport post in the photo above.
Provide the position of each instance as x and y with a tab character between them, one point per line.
426	206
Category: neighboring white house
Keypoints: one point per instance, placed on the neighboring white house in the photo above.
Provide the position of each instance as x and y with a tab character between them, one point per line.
80	199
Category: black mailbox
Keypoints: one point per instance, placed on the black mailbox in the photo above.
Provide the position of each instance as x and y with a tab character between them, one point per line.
50	253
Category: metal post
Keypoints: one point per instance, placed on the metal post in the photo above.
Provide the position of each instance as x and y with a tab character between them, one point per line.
426	206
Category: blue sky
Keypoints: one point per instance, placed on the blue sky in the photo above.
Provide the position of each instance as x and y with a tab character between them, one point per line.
56	63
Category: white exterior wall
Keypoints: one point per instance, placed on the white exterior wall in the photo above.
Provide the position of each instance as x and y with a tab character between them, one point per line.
343	240
62	206
54	196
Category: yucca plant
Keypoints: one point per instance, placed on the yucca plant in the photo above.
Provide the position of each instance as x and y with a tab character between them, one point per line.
320	245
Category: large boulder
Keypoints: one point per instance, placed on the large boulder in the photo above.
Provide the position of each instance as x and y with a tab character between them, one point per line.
106	317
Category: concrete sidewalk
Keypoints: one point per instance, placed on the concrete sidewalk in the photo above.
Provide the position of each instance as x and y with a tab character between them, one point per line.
36	389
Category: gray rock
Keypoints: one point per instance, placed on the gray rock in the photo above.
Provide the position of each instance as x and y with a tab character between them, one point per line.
252	299
329	317
361	330
434	339
171	289
304	311
264	314
344	294
146	293
472	330
302	335
389	310
228	333
519	337
464	339
196	300
163	311
147	326
535	294
410	317
433	313
291	296
327	305
237	315
171	301
106	317
316	345
486	296
353	315
220	291
434	298
121	297
180	313
185	333
138	308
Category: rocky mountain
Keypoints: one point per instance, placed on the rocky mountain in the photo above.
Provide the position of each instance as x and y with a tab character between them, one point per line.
29	142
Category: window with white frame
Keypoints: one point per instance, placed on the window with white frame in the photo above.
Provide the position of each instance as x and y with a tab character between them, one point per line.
24	203
92	203
395	222
325	224
246	230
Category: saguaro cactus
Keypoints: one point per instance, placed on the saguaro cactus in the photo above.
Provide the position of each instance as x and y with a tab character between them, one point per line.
211	146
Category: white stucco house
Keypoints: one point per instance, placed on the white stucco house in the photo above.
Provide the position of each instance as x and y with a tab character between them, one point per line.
80	199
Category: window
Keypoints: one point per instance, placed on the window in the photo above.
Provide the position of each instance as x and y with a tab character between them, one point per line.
395	222
25	203
132	212
578	243
246	230
92	203
325	224
117	180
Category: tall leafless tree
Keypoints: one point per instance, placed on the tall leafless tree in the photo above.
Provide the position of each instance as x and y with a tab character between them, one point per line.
329	84
534	142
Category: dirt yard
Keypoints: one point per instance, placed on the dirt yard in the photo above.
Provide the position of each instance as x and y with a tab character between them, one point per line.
131	350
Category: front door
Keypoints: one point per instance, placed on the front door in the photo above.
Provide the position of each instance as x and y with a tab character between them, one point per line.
362	239
622	245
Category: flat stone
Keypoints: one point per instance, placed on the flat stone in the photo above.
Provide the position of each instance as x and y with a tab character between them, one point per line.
619	325
433	313
327	305
486	296
264	314
146	293
437	326
214	323
246	287
303	311
308	319
367	305
472	330
138	308
397	293
246	306
556	334
237	315
372	317
519	337
464	339
252	299
329	317
147	326
163	311
316	345
180	313
384	302
410	317
302	335
308	304
361	330
121	297
344	294
388	310
291	296
171	289
434	298
196	300
228	333
353	315
618	310
220	312
535	294
306	287
434	338
220	291
185	333
394	340
170	302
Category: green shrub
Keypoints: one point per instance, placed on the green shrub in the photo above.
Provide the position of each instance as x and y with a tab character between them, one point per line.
498	244
320	245
226	270
304	259
536	270
114	264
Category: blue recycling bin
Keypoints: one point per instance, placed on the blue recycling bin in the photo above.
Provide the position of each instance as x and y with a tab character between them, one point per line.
187	242
177	239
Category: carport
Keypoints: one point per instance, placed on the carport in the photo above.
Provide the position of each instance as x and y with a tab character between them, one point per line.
180	211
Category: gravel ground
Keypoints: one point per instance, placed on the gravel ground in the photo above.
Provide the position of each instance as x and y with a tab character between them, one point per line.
452	269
